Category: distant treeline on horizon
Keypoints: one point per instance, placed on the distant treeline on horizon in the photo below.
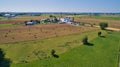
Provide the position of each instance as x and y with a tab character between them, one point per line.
67	13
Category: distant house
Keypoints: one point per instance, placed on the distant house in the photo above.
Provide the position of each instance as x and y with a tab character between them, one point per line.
6	14
66	20
29	23
32	22
9	15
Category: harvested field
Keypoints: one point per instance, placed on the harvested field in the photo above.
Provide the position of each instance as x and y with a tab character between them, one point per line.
111	23
23	33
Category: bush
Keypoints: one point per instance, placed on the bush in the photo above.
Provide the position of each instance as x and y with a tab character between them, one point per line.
37	21
103	25
99	33
52	52
50	15
55	20
85	40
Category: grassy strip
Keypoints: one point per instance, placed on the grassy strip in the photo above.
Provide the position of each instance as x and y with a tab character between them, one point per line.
3	18
106	17
6	25
103	53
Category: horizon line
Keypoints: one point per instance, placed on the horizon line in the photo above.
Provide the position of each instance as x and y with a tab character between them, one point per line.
50	12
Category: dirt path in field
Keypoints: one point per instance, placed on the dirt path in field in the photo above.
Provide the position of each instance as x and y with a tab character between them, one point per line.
114	29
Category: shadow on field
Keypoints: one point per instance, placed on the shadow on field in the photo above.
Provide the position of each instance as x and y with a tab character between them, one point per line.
53	54
102	36
89	44
56	56
3	61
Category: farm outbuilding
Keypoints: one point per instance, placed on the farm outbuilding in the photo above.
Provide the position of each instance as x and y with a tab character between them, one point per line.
32	22
66	20
9	15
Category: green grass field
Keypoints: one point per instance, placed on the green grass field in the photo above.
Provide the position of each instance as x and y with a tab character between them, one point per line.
8	25
107	17
103	53
19	51
3	18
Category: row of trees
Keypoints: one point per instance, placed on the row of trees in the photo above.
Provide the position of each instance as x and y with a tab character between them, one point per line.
48	20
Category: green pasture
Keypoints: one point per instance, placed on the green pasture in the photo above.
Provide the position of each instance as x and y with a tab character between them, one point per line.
103	53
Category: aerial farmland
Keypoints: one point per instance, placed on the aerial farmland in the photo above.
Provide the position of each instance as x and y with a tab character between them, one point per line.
34	43
59	34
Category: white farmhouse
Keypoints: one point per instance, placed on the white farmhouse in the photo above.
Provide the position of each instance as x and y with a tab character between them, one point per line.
66	20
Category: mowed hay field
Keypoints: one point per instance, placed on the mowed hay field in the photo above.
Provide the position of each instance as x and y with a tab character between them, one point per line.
103	53
27	51
23	33
113	21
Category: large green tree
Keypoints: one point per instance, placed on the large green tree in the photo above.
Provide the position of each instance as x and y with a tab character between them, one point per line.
85	40
103	25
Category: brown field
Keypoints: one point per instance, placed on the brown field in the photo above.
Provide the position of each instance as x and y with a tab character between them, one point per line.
24	33
111	23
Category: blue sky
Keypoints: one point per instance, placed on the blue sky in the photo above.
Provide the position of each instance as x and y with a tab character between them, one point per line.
60	5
